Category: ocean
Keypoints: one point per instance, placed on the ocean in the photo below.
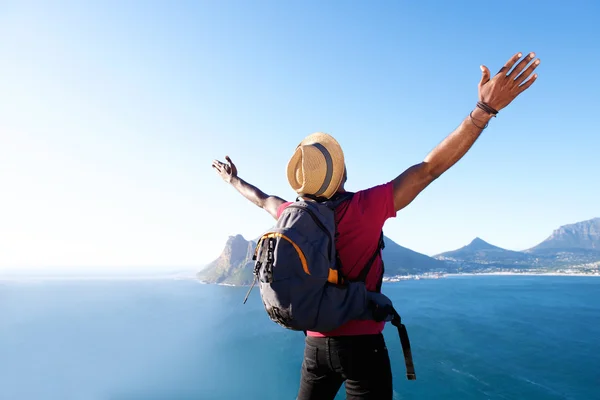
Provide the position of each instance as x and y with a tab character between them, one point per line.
473	337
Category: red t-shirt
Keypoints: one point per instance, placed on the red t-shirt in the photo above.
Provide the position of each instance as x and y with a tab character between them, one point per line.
360	221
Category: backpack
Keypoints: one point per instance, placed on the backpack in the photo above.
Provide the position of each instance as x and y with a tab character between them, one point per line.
299	273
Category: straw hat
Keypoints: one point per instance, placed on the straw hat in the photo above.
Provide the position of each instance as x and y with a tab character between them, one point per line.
317	166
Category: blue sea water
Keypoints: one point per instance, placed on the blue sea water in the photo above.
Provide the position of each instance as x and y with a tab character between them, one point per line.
486	337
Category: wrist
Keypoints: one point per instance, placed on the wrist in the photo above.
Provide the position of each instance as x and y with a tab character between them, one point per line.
481	115
234	181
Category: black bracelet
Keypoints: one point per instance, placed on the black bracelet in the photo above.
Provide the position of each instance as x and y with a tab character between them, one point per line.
473	122
487	108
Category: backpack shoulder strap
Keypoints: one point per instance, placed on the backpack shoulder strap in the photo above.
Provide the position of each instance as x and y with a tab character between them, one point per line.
333	204
338	199
367	268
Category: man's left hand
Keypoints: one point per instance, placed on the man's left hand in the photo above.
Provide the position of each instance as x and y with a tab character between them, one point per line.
227	171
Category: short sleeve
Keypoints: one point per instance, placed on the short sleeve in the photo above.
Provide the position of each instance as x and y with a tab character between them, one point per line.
376	203
282	207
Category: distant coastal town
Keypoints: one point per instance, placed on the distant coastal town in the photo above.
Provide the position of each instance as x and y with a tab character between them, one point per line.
592	269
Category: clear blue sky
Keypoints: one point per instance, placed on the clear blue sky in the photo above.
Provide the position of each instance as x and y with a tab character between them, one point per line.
111	113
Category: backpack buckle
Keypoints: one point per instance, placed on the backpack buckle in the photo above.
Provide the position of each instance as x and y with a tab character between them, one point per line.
257	267
270	250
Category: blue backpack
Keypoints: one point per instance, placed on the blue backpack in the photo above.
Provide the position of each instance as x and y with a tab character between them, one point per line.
301	284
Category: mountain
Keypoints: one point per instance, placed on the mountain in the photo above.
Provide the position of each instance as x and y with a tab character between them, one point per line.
399	260
477	246
234	266
574	247
581	235
573	244
481	254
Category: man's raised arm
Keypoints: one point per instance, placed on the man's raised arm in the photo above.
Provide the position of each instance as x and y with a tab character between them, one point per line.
494	95
228	171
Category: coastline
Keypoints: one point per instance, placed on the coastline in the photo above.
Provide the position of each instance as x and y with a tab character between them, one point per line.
398	278
597	274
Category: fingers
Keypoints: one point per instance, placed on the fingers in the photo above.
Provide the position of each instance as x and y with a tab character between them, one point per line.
521	75
228	160
216	164
510	63
520	66
529	82
485	75
527	72
221	167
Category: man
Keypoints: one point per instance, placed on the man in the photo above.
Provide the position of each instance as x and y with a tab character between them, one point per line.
356	353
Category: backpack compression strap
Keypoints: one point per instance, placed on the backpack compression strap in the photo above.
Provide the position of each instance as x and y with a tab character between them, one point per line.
408	360
389	310
382	314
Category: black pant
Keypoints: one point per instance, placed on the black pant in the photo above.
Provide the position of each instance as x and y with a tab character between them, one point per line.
361	361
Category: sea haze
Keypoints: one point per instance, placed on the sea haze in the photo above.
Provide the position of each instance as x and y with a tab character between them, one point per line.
473	337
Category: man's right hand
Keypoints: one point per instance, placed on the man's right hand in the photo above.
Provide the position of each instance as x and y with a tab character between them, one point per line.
380	306
503	88
496	93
